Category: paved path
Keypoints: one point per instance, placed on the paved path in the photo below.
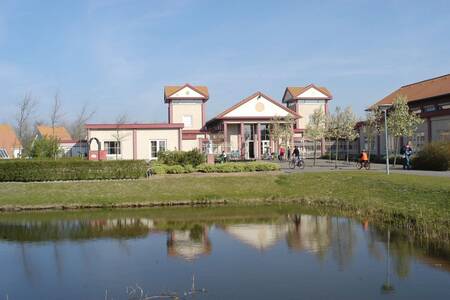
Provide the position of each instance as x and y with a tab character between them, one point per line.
325	165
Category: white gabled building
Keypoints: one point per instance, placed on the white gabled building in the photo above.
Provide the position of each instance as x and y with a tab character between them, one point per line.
242	130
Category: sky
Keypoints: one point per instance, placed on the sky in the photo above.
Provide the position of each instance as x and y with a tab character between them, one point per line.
117	55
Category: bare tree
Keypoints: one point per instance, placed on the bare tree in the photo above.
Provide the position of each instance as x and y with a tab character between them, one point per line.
118	136
25	110
56	114
77	128
315	129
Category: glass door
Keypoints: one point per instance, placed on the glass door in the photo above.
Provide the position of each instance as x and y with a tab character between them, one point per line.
157	146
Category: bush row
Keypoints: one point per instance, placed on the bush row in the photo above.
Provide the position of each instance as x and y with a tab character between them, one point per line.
230	167
183	158
53	170
434	156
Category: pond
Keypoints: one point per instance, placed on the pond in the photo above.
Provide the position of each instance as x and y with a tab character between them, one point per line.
261	252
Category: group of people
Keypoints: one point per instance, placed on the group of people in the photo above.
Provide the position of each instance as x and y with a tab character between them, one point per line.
406	152
283	154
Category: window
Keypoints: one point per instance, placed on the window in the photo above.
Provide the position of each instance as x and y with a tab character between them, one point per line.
445	105
429	108
187	121
3	154
157	146
265	132
112	148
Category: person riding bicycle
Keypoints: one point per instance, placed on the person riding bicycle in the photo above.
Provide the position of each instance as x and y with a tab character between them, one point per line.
296	153
363	158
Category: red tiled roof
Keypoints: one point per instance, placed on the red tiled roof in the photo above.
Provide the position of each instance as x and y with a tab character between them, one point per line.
8	139
59	132
421	90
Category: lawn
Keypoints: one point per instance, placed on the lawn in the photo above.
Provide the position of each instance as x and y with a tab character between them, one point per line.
419	201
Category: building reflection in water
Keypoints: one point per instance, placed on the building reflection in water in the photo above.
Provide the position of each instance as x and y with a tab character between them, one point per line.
320	235
257	236
189	244
309	233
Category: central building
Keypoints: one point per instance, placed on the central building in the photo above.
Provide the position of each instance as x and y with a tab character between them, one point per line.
243	131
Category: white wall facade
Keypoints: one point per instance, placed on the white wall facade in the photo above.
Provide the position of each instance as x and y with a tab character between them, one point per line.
188	108
142	141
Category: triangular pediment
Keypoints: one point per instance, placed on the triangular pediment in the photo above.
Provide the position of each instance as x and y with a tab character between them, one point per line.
258	105
312	92
187	92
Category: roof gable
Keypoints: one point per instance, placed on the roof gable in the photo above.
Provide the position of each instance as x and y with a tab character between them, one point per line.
186	91
308	92
257	105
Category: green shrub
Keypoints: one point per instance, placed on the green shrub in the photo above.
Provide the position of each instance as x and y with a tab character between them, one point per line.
434	156
238	167
171	158
176	169
52	170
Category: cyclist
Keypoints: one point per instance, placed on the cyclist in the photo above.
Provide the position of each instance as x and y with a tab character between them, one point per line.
363	158
296	152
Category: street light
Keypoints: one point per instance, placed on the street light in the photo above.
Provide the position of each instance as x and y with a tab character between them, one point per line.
384	108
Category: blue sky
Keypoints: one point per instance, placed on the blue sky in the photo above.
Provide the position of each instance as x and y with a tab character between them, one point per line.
117	55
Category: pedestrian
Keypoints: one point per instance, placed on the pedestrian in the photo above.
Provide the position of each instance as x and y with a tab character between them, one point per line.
289	153
402	153
282	150
408	154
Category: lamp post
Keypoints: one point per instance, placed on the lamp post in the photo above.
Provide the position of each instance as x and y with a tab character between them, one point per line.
384	108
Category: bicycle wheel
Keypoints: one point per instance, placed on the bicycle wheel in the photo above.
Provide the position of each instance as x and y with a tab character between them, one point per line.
292	164
301	164
367	165
358	165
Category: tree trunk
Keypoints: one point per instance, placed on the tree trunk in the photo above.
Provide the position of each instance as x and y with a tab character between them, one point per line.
396	144
314	163
348	146
337	153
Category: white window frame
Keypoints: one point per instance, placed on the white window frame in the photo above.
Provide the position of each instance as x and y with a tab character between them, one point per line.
118	147
3	154
187	124
158	142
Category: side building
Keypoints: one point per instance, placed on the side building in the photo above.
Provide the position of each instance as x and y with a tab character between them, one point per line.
10	146
183	131
430	99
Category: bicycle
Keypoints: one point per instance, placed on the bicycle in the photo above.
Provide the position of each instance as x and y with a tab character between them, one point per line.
296	162
363	164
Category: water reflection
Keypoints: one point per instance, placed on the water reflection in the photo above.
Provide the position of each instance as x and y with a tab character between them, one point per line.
325	238
189	244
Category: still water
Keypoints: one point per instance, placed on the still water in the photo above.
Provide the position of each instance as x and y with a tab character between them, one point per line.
213	253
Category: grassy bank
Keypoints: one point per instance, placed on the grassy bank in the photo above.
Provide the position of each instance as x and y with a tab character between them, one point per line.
418	202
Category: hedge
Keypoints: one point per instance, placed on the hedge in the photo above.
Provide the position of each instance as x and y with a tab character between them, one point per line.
434	156
183	158
54	170
230	167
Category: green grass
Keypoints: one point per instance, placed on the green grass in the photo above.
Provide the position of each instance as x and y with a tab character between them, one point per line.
419	202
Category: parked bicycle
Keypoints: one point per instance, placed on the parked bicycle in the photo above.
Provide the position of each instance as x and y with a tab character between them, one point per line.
297	162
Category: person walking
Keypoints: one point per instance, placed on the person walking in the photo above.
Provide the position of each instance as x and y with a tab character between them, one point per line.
289	153
281	156
402	153
408	154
